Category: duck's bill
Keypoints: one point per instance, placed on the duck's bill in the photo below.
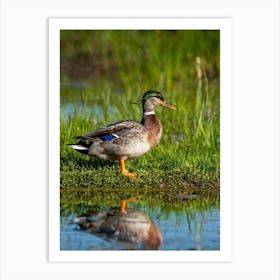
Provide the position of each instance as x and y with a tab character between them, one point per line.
169	106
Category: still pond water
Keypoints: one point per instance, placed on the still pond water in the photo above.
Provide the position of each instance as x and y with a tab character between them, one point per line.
180	231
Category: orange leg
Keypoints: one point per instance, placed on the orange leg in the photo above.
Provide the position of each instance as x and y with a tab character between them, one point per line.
124	201
124	171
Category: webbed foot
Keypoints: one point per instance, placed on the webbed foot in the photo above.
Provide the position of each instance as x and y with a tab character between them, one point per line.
125	172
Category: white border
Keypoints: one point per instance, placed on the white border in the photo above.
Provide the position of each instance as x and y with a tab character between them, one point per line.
222	24
255	139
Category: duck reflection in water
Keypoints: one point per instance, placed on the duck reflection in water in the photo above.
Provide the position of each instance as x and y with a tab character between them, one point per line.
124	225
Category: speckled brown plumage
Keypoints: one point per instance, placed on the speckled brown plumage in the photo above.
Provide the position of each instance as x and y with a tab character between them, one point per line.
128	139
127	226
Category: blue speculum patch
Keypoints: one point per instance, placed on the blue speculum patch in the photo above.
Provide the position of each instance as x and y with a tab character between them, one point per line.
107	137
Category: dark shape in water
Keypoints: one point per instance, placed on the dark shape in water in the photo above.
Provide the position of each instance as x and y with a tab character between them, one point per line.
124	224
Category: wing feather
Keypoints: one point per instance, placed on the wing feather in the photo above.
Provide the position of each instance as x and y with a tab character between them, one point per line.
119	129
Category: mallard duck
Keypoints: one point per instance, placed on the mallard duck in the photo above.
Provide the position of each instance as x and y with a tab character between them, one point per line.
126	140
123	224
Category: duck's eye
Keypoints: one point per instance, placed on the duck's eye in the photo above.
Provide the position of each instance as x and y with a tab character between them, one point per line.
160	97
152	94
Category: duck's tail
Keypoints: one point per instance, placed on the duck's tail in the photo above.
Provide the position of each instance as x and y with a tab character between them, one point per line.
78	147
81	146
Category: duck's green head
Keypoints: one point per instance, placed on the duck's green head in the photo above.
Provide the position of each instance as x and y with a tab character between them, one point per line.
152	98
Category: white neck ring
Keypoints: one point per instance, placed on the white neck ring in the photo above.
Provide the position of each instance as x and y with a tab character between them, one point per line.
149	113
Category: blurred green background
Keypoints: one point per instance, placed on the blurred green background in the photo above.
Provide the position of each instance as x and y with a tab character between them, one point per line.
104	71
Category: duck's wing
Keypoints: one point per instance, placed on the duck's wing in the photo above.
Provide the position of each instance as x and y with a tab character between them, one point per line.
115	130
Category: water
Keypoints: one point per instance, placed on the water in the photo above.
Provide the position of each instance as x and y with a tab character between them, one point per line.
179	231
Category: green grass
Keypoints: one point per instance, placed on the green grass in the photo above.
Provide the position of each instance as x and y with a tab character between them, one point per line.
163	202
103	72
